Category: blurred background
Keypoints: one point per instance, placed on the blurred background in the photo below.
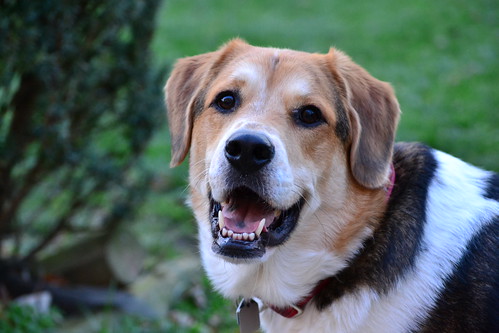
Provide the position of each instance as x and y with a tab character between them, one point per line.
94	233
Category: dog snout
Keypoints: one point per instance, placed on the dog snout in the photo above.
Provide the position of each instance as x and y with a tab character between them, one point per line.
248	152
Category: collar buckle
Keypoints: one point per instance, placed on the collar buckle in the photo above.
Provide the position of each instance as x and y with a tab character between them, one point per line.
299	310
291	311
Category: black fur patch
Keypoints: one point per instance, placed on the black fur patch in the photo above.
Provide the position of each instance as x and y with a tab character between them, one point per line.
470	300
391	252
492	191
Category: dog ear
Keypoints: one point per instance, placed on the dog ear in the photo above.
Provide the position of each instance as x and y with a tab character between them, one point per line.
184	92
373	111
180	91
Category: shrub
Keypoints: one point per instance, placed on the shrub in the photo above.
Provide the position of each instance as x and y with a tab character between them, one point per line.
24	319
78	104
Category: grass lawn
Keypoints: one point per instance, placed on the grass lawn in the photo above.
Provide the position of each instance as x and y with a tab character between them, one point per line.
441	57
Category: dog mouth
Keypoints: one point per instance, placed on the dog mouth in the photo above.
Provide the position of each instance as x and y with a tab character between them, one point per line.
246	224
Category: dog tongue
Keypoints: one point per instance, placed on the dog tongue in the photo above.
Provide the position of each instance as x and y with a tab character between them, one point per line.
246	214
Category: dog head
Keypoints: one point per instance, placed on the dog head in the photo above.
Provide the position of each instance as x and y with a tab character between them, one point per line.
278	140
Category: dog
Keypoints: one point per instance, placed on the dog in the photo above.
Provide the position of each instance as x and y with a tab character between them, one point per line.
307	208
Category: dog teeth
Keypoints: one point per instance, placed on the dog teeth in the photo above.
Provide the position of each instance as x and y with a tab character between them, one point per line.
237	236
258	230
221	222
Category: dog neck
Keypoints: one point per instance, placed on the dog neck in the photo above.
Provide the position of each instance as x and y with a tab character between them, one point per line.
297	309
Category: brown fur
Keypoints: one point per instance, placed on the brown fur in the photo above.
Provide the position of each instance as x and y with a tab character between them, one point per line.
374	114
366	99
185	94
351	100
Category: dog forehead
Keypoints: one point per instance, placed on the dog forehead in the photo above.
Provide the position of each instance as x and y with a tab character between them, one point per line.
293	71
246	71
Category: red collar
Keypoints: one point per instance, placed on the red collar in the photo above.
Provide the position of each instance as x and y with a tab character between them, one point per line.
297	309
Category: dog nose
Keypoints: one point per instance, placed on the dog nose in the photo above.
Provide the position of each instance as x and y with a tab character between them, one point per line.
248	152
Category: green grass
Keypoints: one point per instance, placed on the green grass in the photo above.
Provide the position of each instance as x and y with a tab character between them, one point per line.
441	57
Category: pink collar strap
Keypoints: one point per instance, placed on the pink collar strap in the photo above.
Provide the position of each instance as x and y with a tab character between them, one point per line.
389	188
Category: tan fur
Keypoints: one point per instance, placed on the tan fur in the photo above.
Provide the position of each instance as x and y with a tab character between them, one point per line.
185	88
367	98
372	112
374	115
342	179
372	205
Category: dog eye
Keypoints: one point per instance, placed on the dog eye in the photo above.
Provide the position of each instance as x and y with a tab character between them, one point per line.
226	101
308	116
